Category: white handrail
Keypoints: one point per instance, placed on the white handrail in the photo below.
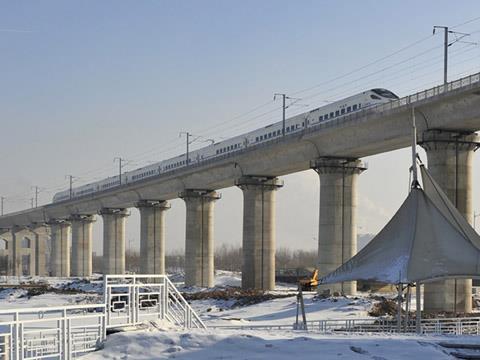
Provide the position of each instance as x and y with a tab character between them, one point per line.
67	331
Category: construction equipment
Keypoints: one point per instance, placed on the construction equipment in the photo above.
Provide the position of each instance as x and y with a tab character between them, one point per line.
310	283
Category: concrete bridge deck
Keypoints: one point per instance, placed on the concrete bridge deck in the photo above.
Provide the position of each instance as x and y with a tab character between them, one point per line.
372	131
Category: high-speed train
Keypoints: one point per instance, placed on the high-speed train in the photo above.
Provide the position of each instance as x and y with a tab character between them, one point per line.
273	131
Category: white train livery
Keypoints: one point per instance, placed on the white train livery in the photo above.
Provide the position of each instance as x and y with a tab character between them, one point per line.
274	131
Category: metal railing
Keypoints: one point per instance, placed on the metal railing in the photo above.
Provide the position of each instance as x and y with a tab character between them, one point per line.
51	332
134	299
67	332
452	326
439	326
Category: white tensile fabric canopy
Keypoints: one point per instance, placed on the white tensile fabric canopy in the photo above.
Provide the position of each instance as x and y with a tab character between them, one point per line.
426	239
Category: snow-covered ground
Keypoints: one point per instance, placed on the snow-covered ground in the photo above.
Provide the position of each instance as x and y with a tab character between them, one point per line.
69	292
161	341
279	345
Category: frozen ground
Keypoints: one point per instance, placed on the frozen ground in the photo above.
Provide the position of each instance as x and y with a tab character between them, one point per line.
38	292
279	345
164	342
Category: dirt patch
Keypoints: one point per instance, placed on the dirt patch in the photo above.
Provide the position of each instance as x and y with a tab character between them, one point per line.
36	290
383	307
240	296
40	288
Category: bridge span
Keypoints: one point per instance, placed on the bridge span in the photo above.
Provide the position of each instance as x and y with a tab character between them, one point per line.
447	118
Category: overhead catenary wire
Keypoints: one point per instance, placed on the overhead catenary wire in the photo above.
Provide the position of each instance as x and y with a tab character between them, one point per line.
263	117
366	65
465	22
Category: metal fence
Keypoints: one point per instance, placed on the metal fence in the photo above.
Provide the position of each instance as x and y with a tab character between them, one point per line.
51	332
438	326
134	299
66	332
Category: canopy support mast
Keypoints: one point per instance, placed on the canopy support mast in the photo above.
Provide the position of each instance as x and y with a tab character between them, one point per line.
418	300
415	183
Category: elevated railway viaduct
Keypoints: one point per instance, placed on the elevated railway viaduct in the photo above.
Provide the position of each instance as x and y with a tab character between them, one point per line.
447	118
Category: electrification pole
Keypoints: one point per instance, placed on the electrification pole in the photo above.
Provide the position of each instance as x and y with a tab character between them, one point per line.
284	97
445	50
189	142
188	135
446	44
36	194
121	164
2	199
285	107
70	178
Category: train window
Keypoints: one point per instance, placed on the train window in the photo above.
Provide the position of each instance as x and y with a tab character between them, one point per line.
326	117
256	139
342	111
385	93
375	97
354	107
303	123
337	113
331	114
349	108
360	105
320	118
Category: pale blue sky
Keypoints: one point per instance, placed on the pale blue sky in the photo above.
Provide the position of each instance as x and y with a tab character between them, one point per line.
84	81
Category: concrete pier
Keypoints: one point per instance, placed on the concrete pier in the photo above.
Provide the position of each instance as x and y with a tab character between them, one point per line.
199	267
81	244
23	252
5	256
60	251
450	160
114	240
40	234
258	269
337	230
152	236
16	252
